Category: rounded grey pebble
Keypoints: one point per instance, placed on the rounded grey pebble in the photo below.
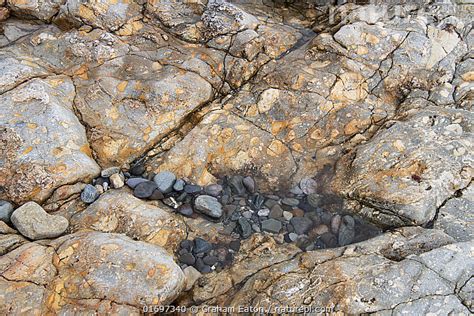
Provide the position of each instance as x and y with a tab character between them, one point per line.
145	189
133	182
179	185
165	181
89	194
6	210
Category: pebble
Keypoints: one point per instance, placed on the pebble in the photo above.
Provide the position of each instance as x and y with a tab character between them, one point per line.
293	236
263	212
6	210
117	181
257	201
301	224
192	188
249	184
276	211
99	188
247	214
297	212
201	246
191	275
165	180
320	229
32	221
187	258
296	191
308	186
109	171
315	199
89	194
256	228
178	186
185	210
287	215
210	260
137	170
202	267
100	181
145	189
235	245
329	240
156	195
186	244
290	201
270	203
336	223
346	231
245	227
213	190
133	182
208	205
271	225
237	185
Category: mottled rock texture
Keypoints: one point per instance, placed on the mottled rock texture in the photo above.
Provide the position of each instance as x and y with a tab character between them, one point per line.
367	103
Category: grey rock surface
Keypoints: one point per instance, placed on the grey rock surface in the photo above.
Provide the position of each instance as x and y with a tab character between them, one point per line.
33	222
208	205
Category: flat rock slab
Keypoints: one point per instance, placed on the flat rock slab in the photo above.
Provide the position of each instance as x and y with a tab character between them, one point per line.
120	212
44	145
33	222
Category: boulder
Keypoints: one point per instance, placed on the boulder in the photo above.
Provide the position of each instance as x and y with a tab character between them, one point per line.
33	222
117	211
43	144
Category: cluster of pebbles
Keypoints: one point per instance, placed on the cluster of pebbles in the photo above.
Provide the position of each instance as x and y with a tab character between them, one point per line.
298	216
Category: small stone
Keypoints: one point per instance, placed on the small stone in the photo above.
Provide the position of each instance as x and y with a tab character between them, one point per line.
301	224
247	214
290	201
245	227
346	231
202	267
178	186
165	181
329	240
145	189
210	260
235	245
326	218
192	188
32	221
297	212
276	211
237	185
315	200
308	186
263	212
336	223
99	188
117	181
106	173
293	236
296	191
208	205
100	181
269	203
287	215
186	244
133	182
201	246
89	194
320	229
156	195
137	170
271	225
249	184
185	210
191	275
187	258
6	210
105	185
256	228
213	190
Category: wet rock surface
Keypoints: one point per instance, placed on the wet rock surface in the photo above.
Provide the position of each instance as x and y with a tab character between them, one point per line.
236	153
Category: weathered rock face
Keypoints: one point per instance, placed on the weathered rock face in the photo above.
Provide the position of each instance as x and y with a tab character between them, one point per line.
43	144
369	103
120	212
94	270
407	171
